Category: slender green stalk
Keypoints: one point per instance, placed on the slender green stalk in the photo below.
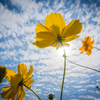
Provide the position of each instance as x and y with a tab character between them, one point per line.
83	66
96	48
2	80
32	91
63	75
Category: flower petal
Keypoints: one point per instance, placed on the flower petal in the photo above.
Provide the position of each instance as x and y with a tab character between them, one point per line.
6	93
89	52
9	92
88	39
45	36
73	28
55	22
81	52
13	81
85	44
70	38
58	45
91	43
65	44
82	48
27	83
43	43
41	28
20	93
30	71
82	42
44	39
9	73
90	47
22	69
6	88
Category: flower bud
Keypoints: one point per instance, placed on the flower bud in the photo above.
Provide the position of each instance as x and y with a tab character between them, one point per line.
51	96
2	73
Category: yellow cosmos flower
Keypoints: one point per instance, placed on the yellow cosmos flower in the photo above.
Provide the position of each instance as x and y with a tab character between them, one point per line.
87	45
2	73
55	32
17	82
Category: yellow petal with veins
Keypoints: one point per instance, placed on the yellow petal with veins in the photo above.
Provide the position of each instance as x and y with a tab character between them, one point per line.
8	92
30	71
13	81
27	83
41	28
70	38
20	93
73	28
66	44
42	43
9	73
55	22
46	35
22	69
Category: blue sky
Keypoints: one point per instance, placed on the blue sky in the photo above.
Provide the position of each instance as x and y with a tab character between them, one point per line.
18	19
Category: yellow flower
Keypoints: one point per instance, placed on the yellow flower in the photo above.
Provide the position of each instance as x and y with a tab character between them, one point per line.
87	45
55	32
17	82
2	73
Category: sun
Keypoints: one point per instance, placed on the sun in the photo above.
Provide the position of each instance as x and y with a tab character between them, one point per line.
67	50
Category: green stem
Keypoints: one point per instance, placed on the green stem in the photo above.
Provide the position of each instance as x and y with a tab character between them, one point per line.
63	74
96	48
2	80
32	91
83	66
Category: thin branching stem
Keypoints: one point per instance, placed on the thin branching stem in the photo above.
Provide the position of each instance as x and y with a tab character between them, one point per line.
83	66
96	48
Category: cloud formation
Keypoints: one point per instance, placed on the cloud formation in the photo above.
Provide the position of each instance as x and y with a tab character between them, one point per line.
17	31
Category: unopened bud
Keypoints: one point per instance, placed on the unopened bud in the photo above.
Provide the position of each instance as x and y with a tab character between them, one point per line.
2	73
51	96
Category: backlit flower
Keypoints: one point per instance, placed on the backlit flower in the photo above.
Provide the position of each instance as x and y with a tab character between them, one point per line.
87	45
2	73
55	32
16	83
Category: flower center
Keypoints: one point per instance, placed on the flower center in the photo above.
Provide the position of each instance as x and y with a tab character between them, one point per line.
59	39
21	83
87	44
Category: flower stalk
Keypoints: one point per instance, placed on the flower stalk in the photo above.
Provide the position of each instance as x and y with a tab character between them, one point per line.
96	48
63	74
83	66
32	91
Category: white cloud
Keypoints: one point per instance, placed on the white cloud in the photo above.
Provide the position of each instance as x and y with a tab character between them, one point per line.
83	82
91	91
98	80
88	97
82	90
77	86
0	36
98	92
